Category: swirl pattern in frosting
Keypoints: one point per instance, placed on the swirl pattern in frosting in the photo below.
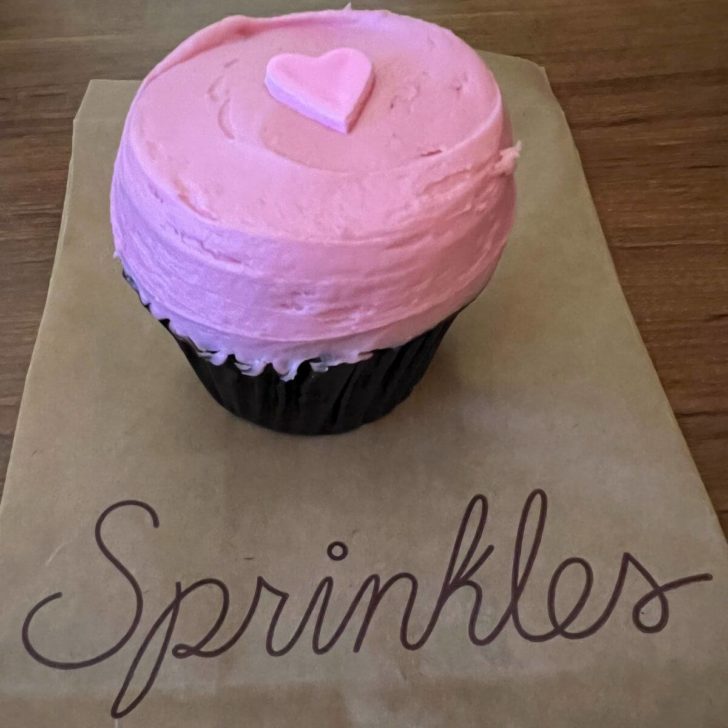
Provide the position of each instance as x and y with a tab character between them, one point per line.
260	233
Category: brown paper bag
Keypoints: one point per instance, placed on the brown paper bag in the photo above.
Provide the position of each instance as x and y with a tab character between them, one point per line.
524	542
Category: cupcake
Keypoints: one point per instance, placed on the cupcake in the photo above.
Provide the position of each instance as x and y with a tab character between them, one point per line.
306	202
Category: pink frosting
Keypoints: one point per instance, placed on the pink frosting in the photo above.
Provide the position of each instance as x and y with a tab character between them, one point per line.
260	233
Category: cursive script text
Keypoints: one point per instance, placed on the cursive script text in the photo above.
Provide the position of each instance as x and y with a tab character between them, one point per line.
467	557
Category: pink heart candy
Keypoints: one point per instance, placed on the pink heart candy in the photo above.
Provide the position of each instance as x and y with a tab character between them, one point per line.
330	89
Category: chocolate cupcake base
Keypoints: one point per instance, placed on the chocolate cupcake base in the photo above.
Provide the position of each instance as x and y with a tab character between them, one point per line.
341	398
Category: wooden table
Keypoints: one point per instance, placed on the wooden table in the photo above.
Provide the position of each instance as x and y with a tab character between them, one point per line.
644	84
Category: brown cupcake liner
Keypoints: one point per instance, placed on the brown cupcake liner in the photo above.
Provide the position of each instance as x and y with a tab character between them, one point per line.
315	402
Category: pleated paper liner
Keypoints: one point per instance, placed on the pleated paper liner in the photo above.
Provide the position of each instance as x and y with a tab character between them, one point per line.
315	402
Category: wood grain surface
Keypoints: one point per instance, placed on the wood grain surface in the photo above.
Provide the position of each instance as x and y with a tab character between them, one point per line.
644	84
